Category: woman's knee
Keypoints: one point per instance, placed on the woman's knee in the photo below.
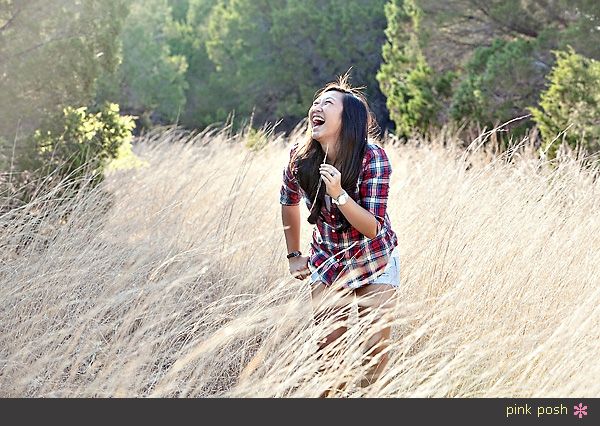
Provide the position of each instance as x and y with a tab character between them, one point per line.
377	340
332	337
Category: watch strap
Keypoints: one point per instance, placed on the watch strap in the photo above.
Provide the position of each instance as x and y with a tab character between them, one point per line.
294	254
335	200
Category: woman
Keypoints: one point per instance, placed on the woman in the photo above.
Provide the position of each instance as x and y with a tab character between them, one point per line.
345	181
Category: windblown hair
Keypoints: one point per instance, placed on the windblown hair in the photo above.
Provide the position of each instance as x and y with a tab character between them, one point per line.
358	124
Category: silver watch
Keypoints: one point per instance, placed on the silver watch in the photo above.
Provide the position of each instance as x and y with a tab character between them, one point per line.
341	200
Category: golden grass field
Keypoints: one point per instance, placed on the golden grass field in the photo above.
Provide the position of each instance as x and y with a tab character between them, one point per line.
170	280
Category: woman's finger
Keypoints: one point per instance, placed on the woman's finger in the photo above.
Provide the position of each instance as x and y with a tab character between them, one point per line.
330	168
331	174
325	177
301	274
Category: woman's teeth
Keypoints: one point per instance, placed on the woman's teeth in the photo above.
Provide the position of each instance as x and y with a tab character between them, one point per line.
317	122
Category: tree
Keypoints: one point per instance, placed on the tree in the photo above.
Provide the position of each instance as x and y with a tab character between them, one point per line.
491	56
51	54
187	36
455	28
83	142
500	82
273	54
570	104
414	92
314	47
150	81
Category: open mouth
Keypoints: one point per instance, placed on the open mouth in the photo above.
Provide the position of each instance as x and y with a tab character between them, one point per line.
317	121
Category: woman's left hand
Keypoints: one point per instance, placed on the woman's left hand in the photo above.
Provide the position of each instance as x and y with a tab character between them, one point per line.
333	180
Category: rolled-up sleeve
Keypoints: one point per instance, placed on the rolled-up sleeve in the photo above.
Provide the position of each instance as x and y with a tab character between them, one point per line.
290	194
375	184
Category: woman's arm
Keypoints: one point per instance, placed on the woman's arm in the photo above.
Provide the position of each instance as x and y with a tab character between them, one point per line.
369	216
290	216
361	219
290	196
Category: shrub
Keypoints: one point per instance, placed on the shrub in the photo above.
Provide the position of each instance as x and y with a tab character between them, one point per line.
571	103
500	82
82	138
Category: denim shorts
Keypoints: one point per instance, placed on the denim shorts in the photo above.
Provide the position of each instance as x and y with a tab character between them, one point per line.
390	275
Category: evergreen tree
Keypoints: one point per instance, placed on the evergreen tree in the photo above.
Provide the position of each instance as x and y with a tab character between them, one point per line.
570	106
414	92
500	82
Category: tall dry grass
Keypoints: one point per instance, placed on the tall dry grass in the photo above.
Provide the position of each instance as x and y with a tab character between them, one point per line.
171	280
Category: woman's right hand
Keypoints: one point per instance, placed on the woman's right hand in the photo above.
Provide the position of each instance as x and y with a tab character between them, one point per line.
299	267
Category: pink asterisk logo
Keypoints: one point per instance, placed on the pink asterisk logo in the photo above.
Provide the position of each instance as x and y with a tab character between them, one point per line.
580	410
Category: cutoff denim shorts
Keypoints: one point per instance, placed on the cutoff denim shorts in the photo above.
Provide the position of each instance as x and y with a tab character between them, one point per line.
390	275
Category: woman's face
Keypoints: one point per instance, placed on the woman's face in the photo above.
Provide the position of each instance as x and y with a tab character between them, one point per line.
325	116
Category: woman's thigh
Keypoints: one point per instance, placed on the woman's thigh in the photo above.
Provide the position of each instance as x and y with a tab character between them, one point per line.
327	300
379	297
374	302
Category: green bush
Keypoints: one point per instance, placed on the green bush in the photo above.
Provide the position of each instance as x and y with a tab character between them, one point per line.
82	138
500	82
415	92
256	139
570	104
414	99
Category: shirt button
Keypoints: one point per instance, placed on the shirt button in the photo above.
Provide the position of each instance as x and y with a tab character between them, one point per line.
332	216
333	230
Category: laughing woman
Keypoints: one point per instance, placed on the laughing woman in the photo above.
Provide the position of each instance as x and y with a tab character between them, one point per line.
344	179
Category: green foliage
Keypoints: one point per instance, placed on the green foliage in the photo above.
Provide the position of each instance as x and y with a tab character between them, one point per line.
499	50
571	103
150	80
51	54
415	94
317	40
499	83
125	158
198	61
271	55
256	139
582	32
82	138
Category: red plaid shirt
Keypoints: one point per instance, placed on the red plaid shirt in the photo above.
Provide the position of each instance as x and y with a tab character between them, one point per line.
349	257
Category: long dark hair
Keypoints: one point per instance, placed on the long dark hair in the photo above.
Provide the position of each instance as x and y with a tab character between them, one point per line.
358	124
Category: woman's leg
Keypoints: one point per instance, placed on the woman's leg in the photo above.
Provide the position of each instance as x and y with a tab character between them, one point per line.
331	309
376	300
331	305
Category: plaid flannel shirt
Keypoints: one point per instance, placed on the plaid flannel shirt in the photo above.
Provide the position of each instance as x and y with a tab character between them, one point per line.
348	257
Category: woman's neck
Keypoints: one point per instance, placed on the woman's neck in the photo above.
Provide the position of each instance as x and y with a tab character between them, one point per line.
331	150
